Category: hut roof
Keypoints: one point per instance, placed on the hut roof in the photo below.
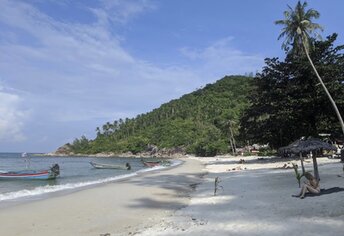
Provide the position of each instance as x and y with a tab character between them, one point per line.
307	145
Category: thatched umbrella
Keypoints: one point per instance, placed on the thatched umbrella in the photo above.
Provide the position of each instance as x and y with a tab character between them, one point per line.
307	146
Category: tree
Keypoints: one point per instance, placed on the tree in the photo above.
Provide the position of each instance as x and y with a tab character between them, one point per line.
194	123
298	30
287	103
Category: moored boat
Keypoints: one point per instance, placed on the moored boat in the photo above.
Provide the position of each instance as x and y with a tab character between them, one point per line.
51	173
110	166
152	163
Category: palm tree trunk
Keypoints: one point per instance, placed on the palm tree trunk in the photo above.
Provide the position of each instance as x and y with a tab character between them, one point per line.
324	87
231	143
302	165
232	138
315	167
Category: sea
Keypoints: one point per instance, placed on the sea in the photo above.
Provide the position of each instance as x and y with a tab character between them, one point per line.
76	173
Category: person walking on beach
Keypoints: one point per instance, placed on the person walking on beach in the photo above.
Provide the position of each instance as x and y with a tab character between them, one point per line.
312	185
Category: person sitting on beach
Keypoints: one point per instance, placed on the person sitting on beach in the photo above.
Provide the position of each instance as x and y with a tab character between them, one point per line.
312	185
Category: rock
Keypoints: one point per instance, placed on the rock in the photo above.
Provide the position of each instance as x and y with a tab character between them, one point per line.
152	149
64	150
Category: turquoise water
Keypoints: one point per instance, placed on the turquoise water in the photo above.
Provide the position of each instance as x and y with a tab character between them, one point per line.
75	172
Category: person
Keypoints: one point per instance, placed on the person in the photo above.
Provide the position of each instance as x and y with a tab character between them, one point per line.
26	159
312	185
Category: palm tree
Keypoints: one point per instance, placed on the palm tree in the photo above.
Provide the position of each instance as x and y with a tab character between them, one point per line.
231	136
297	31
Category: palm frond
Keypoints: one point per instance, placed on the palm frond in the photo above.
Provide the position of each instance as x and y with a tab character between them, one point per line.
311	13
280	22
298	27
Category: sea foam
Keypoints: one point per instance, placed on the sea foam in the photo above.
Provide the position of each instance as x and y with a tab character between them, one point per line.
40	191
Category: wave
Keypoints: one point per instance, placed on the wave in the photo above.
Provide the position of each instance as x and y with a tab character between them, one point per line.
25	193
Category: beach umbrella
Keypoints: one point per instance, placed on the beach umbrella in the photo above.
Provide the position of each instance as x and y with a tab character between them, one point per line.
308	146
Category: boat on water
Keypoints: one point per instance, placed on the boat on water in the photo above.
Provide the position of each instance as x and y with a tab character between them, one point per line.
152	163
28	174
110	166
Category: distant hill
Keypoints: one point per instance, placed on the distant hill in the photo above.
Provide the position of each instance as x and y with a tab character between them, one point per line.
198	123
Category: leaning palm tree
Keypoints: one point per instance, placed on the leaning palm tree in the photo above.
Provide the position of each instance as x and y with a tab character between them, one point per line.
298	30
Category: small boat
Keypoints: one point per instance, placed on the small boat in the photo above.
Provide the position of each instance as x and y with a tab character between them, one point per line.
110	166
51	173
152	163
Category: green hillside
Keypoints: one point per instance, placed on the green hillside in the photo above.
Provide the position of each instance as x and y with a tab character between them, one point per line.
198	123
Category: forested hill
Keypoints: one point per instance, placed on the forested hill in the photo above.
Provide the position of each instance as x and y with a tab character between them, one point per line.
200	123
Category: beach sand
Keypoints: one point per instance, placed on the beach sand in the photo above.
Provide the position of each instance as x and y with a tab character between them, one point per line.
254	199
120	208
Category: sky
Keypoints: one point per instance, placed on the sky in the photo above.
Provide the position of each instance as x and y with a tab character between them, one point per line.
69	66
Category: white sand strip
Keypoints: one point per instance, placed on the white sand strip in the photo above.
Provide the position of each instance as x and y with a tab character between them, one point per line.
120	208
257	201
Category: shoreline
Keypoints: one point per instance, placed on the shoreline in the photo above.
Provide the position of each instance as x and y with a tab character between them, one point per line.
255	198
116	155
127	205
69	189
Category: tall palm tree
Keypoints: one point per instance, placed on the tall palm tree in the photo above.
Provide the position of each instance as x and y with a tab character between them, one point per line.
297	31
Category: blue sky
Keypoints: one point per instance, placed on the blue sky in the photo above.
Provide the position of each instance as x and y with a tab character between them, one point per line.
68	66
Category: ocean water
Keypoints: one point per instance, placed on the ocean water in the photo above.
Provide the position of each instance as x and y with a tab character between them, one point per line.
75	173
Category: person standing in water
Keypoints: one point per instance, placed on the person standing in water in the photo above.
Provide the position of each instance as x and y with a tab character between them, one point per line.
26	159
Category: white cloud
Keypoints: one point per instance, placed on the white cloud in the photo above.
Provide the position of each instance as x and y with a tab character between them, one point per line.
83	68
73	72
79	69
124	10
222	57
11	117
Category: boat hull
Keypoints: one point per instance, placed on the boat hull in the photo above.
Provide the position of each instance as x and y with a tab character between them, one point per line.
109	166
151	163
37	175
52	173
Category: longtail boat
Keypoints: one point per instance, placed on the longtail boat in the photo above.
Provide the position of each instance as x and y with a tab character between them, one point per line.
152	163
51	173
110	166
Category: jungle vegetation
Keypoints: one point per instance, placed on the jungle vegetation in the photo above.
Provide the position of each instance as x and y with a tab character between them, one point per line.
289	103
298	30
204	122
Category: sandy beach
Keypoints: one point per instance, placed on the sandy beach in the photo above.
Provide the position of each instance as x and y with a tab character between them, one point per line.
120	208
254	199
